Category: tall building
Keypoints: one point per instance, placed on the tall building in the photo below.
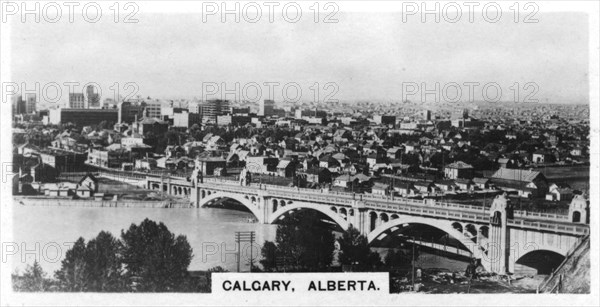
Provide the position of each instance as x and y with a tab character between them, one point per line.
77	101
209	110
83	117
19	105
266	108
93	99
153	108
194	107
128	111
427	114
384	119
300	113
30	105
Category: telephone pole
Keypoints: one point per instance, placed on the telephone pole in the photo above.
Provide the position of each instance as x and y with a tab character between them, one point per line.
244	236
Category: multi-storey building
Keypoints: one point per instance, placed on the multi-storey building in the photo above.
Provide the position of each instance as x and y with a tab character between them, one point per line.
129	111
30	106
266	108
153	108
83	117
209	110
93	99
77	101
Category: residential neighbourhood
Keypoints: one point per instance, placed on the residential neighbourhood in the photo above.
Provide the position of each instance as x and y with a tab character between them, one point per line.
534	153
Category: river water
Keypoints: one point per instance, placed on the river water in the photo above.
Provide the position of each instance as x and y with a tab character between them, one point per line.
210	232
46	233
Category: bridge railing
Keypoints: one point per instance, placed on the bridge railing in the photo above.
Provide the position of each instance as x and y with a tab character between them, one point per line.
431	211
397	202
575	229
541	216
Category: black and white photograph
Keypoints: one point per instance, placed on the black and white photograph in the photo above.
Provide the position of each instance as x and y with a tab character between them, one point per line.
331	153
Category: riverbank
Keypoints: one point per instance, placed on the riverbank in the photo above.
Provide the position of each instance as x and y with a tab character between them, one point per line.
46	201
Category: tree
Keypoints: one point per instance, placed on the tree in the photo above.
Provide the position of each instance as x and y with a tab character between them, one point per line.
354	248
268	253
355	251
303	243
71	276
103	265
92	267
33	279
395	259
155	260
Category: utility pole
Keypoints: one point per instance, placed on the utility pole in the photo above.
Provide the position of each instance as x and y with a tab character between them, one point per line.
413	264
244	236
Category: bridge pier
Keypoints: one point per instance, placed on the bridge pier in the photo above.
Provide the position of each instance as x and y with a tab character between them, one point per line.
498	237
358	220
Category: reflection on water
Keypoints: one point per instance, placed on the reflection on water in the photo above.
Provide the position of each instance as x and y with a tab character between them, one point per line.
210	232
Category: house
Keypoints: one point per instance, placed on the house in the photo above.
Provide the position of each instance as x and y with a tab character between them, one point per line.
405	188
380	188
208	165
542	156
215	141
89	181
395	152
286	168
464	184
446	185
99	196
193	147
576	152
262	164
146	164
62	189
317	175
342	134
174	151
556	193
458	169
526	183
374	159
328	161
481	183
341	158
84	191
343	181
424	187
411	146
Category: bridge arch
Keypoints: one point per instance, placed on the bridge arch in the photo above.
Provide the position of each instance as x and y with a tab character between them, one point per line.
334	216
344	213
446	226
239	198
384	217
458	226
539	261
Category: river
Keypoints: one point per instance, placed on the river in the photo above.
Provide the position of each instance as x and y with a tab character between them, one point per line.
210	232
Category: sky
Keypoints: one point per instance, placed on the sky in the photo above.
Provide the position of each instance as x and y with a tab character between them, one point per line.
366	56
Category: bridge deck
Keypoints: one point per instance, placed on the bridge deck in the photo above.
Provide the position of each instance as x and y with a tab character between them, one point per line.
430	208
